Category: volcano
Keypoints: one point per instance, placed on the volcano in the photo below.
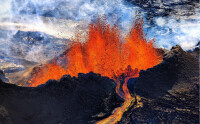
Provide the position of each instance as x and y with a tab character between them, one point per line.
105	77
103	51
166	96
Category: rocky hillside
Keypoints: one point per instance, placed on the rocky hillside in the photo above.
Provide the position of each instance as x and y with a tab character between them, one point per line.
169	93
71	100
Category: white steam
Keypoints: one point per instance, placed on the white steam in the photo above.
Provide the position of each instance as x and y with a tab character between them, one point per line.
171	31
57	18
62	18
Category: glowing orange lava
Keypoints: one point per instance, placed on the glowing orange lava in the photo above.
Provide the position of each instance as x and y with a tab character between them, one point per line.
104	52
107	53
43	74
128	101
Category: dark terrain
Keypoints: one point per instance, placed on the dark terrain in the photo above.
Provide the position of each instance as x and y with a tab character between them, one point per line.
169	92
71	100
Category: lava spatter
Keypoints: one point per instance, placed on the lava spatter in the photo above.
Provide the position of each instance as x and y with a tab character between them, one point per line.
105	52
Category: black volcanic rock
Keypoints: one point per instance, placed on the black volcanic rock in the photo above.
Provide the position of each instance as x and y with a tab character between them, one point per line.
169	91
195	51
2	76
70	100
177	66
4	116
1	73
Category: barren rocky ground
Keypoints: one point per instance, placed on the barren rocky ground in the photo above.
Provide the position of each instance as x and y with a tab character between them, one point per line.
169	93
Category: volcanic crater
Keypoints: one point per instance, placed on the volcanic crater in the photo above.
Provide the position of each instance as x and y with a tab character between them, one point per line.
105	80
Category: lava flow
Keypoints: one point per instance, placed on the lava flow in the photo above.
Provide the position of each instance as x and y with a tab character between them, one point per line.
46	72
107	53
128	101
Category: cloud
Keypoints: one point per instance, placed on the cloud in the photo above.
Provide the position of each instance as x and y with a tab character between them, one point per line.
169	31
160	21
5	7
61	18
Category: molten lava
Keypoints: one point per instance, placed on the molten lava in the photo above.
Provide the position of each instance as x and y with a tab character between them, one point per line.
46	72
107	53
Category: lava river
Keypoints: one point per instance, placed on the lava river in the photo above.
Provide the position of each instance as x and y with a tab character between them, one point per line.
107	52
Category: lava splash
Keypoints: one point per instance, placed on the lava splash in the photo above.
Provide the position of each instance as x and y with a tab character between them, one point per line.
106	52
